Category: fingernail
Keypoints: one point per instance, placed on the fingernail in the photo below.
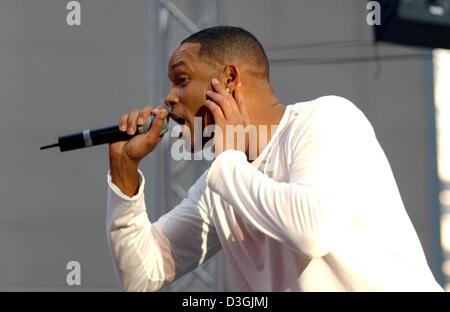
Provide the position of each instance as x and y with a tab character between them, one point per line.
123	127
131	130
140	120
215	81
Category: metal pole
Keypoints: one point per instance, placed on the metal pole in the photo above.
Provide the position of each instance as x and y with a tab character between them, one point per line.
154	187
163	183
180	16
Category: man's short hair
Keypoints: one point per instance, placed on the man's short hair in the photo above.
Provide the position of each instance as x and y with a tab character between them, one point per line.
226	43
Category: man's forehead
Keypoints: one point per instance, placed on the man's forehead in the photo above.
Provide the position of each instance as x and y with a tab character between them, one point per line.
185	54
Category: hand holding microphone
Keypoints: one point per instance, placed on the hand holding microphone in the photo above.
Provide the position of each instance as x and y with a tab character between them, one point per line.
92	137
137	147
137	134
124	156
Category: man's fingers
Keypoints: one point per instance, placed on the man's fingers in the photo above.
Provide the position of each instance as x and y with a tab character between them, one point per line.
163	113
221	101
216	110
215	97
160	112
132	119
218	87
158	124
222	97
123	122
144	114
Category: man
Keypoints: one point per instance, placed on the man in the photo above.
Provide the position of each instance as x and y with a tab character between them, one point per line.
318	209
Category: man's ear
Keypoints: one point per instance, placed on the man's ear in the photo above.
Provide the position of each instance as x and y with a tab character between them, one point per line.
231	77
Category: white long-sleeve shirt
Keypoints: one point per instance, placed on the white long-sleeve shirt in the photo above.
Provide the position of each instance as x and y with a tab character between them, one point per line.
318	210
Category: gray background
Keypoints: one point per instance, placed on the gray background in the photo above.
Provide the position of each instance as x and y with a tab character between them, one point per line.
56	79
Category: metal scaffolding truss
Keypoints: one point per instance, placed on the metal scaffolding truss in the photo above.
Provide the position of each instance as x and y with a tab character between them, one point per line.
213	275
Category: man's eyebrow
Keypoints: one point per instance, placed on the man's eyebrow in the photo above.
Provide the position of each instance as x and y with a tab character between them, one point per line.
177	64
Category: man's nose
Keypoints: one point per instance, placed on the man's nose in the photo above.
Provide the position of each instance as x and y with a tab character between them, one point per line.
171	100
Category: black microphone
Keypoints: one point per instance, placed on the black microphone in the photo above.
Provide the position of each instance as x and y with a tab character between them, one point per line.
88	138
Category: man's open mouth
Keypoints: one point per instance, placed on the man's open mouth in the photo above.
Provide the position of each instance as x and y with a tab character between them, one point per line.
177	119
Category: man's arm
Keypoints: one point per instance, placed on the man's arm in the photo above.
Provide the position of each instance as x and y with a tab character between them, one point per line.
148	256
305	212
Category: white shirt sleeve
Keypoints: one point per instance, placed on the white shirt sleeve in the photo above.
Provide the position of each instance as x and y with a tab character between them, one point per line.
147	256
299	213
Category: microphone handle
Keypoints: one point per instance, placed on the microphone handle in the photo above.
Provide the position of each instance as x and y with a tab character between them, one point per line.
112	134
89	138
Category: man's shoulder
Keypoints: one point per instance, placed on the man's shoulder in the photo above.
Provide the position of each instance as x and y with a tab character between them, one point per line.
330	109
326	115
325	104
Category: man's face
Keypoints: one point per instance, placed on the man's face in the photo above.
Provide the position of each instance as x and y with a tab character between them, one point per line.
191	77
